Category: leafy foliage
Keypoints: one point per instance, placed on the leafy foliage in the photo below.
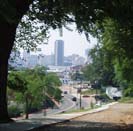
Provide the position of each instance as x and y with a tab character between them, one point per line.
29	34
101	68
31	86
111	61
17	82
52	83
77	76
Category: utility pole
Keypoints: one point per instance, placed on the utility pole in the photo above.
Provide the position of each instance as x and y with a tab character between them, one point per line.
79	91
80	101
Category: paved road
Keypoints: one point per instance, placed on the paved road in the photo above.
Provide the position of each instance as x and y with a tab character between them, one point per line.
84	103
72	92
67	104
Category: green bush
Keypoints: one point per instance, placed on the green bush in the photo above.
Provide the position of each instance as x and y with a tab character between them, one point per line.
128	92
14	111
126	100
104	96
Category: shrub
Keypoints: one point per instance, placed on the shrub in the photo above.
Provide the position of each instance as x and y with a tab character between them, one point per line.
14	111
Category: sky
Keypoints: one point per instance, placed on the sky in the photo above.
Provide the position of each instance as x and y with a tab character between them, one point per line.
74	43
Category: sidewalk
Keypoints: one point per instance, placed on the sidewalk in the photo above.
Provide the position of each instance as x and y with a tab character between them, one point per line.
23	125
67	116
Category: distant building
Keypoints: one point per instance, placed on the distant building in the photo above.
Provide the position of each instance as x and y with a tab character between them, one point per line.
74	59
59	53
48	60
62	72
33	61
15	60
76	68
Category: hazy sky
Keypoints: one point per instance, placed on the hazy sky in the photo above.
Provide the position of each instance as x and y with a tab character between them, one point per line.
74	43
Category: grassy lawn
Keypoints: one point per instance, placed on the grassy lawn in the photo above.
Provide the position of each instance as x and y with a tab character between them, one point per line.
90	92
126	100
82	109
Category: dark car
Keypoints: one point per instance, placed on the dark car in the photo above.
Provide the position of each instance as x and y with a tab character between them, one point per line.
65	92
74	99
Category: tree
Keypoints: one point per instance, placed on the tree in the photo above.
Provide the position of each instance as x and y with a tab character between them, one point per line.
55	13
111	61
30	85
30	32
101	68
52	83
77	76
8	13
117	40
18	83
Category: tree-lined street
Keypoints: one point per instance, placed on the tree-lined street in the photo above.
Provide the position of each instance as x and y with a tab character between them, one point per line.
66	105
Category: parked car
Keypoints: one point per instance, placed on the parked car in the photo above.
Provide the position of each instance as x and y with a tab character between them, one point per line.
65	92
74	99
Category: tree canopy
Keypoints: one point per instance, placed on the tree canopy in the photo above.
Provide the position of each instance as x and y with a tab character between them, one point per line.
112	59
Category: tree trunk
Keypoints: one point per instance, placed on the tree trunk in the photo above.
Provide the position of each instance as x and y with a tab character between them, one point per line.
3	100
26	107
7	37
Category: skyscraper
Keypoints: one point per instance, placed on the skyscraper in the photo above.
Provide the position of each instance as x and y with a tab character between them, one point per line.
59	52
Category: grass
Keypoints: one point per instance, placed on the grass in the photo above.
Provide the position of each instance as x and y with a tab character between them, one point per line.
78	110
81	110
126	100
90	92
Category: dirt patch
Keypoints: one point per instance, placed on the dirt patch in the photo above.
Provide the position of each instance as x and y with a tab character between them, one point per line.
117	114
118	117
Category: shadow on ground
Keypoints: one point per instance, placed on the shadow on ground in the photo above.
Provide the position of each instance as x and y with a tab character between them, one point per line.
30	124
44	125
85	126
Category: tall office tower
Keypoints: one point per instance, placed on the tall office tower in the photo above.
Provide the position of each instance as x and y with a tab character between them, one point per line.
59	52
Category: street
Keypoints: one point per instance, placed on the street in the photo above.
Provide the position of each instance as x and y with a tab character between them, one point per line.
67	104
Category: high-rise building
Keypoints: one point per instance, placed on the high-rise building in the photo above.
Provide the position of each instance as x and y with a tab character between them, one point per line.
59	52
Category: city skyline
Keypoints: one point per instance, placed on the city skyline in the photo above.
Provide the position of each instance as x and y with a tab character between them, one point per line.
74	43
